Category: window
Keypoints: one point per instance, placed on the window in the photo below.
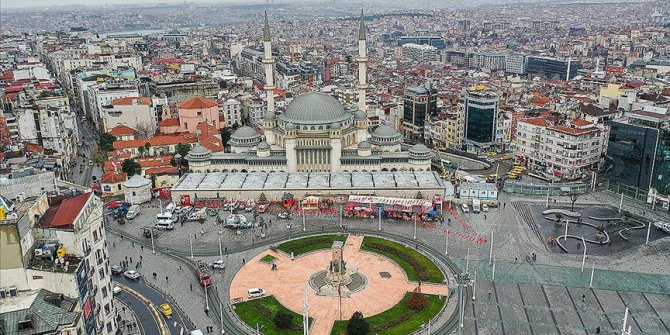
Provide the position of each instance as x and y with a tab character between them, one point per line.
101	272
104	292
199	113
95	236
107	309
109	327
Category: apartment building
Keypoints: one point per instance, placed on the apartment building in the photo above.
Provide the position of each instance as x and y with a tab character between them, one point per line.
102	95
134	112
420	52
231	109
567	151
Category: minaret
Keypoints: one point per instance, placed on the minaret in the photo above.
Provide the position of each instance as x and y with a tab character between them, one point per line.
268	62
362	65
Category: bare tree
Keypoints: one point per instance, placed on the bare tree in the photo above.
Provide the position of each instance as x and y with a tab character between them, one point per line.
144	130
573	199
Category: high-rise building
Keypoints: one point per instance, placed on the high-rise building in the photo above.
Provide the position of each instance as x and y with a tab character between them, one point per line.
638	154
427	40
515	63
421	53
419	103
481	117
552	68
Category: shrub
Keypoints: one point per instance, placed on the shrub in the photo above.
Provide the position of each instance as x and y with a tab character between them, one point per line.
266	312
357	325
416	265
283	320
395	321
417	301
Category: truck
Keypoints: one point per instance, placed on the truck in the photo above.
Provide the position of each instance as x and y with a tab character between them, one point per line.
476	205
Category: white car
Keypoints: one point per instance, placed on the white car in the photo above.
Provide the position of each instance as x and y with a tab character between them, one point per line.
187	209
465	208
485	208
116	289
217	265
284	215
178	209
132	274
256	293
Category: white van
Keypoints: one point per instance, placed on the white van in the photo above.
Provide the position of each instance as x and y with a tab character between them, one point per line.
132	212
256	292
170	207
196	332
166	217
476	205
164	225
465	208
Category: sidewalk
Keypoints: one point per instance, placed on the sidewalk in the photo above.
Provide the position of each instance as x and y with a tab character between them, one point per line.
128	322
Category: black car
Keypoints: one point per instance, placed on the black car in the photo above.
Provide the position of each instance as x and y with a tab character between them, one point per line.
117	269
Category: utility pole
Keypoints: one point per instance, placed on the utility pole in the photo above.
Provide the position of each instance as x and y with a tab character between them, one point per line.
648	229
584	256
153	248
446	244
220	252
415	227
493	275
593	270
491	250
190	242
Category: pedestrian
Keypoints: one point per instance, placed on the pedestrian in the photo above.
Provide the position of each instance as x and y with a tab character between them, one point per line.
243	261
166	279
583	297
207	311
489	293
141	249
225	249
137	265
484	216
113	244
598	330
126	258
191	285
132	244
131	260
154	275
141	258
216	288
504	204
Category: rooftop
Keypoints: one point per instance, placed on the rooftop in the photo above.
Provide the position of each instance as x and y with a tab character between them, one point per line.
64	213
132	101
196	103
38	312
121	130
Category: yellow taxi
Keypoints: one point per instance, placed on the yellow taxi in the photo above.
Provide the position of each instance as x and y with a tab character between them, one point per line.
517	164
504	158
166	310
491	153
512	176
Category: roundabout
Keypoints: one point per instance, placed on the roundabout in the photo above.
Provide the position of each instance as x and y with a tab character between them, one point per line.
370	283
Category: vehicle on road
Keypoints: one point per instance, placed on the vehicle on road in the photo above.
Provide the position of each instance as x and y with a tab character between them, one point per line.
188	209
202	273
116	204
116	289
167	216
170	207
166	310
132	212
476	205
147	231
196	332
178	209
465	208
485	208
255	293
163	225
663	226
132	274
90	162
237	221
284	215
220	264
117	269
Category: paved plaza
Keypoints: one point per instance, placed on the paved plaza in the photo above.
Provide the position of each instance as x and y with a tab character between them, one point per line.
287	284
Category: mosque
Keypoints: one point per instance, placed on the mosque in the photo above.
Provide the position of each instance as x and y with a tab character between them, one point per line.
315	134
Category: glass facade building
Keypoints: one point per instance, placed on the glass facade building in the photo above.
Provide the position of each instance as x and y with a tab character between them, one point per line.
552	68
481	111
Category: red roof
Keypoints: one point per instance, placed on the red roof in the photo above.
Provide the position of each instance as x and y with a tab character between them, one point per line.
155	141
580	123
210	137
159	170
112	177
574	131
132	101
7	76
65	213
168	60
121	130
538	121
196	103
151	162
15	88
169	122
34	147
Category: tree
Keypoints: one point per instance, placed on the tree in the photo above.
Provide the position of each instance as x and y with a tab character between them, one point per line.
107	142
225	136
97	156
147	148
143	130
131	167
183	149
141	151
283	320
573	199
357	325
417	301
419	195
262	198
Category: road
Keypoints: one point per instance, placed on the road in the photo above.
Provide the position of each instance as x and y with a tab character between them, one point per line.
175	325
88	137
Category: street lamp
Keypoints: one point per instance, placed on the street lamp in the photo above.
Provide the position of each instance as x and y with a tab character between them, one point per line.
177	160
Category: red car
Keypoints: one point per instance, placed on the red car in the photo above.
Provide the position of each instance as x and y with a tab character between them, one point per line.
115	204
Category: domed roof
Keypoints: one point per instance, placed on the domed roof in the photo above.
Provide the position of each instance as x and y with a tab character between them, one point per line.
314	108
335	125
364	145
385	132
245	133
263	146
199	150
358	115
269	116
290	126
419	149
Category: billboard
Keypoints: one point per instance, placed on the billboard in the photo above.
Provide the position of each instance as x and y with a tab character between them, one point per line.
85	300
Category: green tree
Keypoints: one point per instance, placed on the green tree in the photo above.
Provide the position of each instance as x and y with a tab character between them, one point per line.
141	151
131	167
97	156
357	325
283	320
262	198
419	195
147	148
225	136
183	149
107	142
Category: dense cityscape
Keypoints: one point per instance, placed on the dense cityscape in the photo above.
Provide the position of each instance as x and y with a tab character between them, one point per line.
335	167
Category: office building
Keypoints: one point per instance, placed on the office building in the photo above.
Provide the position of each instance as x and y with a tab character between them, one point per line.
419	103
436	42
421	53
552	68
515	64
481	117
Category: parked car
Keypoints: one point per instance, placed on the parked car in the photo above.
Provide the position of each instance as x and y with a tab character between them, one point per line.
485	208
217	265
256	293
132	212
166	310
116	289
465	208
90	162
117	269
132	274
178	209
284	215
187	209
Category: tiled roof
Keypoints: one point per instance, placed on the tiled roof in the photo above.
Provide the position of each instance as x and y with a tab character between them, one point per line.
154	141
151	162
131	101
197	102
121	130
112	177
574	131
160	170
34	147
63	215
580	123
210	137
169	122
538	121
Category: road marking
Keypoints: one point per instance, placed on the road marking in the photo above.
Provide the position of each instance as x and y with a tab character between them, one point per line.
152	308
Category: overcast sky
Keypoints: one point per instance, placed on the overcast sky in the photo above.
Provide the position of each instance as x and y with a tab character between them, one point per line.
44	3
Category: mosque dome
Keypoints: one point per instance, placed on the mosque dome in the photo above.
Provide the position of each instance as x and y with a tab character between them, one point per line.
244	133
314	108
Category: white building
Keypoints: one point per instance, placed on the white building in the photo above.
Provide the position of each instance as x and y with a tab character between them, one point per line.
134	112
103	94
256	111
137	189
232	111
515	63
420	52
563	151
490	61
